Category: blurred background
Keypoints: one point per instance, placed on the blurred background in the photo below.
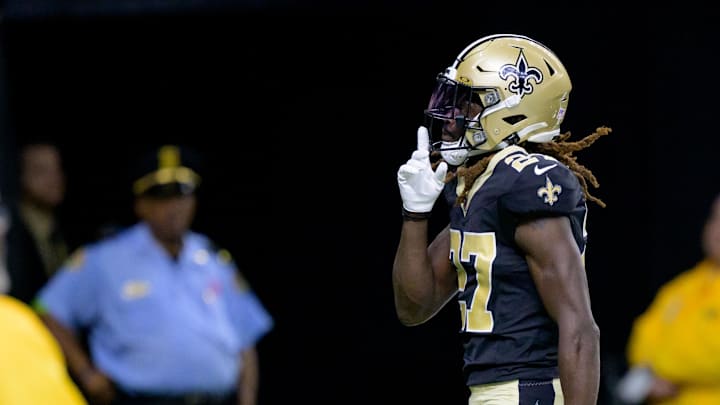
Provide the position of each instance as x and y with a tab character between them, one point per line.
303	112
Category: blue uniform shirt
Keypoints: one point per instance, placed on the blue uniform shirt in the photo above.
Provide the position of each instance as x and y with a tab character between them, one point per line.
158	325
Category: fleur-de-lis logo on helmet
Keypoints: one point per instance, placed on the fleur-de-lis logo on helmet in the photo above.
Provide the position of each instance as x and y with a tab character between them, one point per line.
521	74
549	193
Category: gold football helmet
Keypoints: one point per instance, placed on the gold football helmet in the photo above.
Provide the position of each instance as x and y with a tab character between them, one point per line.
501	90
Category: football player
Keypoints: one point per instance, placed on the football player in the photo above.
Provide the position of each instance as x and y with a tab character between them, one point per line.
512	255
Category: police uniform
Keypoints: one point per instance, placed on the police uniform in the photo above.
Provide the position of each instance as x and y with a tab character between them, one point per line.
510	341
157	325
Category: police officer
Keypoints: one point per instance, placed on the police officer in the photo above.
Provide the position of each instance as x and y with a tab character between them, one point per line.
169	318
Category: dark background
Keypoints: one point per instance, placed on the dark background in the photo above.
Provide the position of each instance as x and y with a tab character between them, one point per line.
304	112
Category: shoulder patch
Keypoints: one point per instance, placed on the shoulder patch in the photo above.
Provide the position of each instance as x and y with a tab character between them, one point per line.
75	261
224	256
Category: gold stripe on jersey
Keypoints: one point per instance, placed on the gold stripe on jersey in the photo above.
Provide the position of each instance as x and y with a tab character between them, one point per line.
485	175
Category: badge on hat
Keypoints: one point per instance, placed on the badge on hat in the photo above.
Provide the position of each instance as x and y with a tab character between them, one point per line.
168	175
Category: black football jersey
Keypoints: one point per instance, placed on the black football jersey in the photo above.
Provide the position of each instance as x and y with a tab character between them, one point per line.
507	332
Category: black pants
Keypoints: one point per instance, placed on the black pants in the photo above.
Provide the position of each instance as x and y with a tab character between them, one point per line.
124	398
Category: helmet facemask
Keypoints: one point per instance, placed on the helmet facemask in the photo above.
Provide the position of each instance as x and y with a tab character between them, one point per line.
454	110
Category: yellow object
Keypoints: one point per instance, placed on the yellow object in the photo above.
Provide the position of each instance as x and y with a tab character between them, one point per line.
678	336
33	369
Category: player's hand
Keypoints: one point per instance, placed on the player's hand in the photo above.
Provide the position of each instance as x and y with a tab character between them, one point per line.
419	185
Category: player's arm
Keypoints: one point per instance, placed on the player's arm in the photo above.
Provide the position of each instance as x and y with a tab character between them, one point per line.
559	274
423	276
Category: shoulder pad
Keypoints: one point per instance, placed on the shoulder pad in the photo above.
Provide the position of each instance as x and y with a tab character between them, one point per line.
543	185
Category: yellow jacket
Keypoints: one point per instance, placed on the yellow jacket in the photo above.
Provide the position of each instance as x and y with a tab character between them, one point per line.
678	336
32	370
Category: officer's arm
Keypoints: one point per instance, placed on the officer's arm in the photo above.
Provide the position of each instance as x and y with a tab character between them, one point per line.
78	361
249	377
559	274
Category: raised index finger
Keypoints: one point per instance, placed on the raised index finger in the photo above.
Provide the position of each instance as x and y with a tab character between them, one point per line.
423	139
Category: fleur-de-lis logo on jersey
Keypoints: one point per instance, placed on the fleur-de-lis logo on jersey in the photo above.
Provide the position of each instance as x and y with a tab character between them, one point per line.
549	193
521	73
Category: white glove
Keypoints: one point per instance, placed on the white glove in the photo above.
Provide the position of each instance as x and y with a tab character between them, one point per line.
635	385
419	185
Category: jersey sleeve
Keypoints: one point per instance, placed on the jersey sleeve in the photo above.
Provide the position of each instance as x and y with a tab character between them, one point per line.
70	295
545	188
248	315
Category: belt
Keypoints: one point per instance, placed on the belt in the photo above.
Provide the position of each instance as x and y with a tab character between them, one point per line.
190	398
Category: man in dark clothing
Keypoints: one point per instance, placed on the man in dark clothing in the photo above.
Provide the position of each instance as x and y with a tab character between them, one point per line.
36	246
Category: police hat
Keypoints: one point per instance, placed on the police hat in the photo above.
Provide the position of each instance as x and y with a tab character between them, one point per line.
167	171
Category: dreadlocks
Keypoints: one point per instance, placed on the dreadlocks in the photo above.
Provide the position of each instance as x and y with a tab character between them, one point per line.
560	149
